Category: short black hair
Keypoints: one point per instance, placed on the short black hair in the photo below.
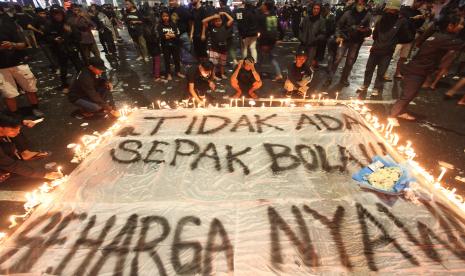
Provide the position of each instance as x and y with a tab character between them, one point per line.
444	21
249	58
207	65
7	121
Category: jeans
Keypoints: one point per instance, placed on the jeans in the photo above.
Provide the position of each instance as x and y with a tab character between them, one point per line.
168	52
380	60
352	49
89	106
249	43
411	84
106	39
63	57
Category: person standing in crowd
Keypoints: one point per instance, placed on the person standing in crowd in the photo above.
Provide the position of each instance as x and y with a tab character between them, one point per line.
351	31
133	20
247	25
219	34
199	81
64	43
269	34
388	32
81	22
299	74
13	71
312	32
40	24
104	26
181	16
25	20
415	20
230	40
169	34
111	14
153	45
12	148
246	78
91	93
296	17
199	13
425	62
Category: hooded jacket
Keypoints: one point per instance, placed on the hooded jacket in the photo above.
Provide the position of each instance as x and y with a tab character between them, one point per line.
312	30
349	24
388	32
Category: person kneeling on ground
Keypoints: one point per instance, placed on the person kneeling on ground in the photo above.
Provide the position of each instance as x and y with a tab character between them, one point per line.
90	92
299	75
200	79
12	149
246	78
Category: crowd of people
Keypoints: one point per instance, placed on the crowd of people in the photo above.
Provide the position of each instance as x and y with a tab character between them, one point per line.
198	41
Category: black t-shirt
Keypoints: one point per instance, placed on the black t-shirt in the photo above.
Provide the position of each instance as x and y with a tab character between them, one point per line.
165	29
9	32
134	29
219	37
201	83
40	24
197	16
245	77
181	17
23	19
296	74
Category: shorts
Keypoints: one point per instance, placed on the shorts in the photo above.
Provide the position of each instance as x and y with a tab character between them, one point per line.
20	75
217	58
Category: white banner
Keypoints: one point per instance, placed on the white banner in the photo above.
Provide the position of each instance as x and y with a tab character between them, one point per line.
234	192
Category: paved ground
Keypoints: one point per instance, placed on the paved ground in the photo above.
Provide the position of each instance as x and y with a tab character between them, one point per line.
438	136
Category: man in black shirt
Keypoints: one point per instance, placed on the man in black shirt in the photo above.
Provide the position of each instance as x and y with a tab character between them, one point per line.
11	152
199	13
200	80
90	92
246	78
426	61
12	71
181	16
299	74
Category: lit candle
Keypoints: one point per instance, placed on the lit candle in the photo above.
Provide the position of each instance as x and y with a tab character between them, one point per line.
282	102
59	170
407	147
230	102
441	175
271	100
337	95
159	106
319	97
305	95
153	105
263	105
396	140
381	128
313	97
236	102
252	103
204	102
243	98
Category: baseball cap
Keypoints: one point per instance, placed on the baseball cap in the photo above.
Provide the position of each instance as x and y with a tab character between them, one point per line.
301	51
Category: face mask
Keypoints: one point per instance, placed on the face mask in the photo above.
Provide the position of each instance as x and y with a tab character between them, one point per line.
359	8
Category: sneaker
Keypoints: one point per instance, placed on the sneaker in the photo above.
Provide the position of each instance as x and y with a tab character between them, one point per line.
157	79
278	78
169	78
139	58
456	77
398	76
375	92
394	121
146	59
387	78
224	77
38	113
180	75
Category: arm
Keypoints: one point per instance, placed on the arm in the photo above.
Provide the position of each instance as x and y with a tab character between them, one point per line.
230	21
210	18
203	37
91	92
17	167
192	92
